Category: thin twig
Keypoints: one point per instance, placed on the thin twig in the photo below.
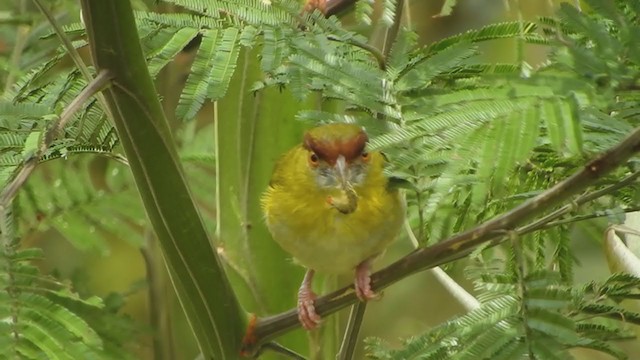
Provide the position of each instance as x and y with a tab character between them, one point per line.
468	301
279	349
247	271
73	53
576	3
595	215
390	37
256	101
93	88
544	221
71	50
22	30
412	237
522	289
336	6
350	339
379	56
407	14
156	299
490	232
50	135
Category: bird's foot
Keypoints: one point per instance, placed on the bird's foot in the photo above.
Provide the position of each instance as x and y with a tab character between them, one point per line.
306	304
362	282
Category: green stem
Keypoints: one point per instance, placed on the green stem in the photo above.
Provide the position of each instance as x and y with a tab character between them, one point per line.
595	215
522	289
71	50
546	220
350	339
196	271
157	305
18	46
279	349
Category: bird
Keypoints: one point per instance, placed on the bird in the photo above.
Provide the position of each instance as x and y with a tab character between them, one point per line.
330	205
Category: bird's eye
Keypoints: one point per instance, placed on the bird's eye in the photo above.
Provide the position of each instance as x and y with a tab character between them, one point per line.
365	156
313	159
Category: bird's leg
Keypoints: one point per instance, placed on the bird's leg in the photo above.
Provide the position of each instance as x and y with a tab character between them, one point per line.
306	299
362	281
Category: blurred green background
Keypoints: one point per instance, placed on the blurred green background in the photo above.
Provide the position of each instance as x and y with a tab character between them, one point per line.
406	308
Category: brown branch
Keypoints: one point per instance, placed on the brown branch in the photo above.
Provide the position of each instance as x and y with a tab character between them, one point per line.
377	54
328	7
311	5
336	6
460	244
546	221
595	215
29	165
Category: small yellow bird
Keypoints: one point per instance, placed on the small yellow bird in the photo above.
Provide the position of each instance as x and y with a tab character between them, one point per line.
330	205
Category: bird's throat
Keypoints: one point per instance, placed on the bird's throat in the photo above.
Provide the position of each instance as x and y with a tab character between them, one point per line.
346	201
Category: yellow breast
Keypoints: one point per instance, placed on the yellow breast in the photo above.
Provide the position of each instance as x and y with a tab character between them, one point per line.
324	239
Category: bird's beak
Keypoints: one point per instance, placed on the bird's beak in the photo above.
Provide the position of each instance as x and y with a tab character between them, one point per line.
347	201
341	171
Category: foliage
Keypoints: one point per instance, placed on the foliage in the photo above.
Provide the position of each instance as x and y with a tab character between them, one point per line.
41	315
474	138
535	316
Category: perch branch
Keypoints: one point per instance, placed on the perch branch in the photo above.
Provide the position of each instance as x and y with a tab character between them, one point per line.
490	232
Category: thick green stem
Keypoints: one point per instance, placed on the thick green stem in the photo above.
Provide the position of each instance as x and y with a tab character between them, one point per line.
196	271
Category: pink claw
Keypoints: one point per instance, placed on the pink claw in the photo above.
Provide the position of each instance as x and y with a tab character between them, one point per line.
362	281
306	299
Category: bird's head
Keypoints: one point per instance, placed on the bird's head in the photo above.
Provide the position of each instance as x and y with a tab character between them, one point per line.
337	155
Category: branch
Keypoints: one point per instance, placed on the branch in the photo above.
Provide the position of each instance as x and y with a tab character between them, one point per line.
95	86
350	339
279	349
71	50
328	7
59	31
336	6
491	232
546	220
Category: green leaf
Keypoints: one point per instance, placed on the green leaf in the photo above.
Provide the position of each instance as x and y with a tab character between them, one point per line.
388	12
447	8
31	144
196	88
420	76
552	324
548	298
65	318
162	56
364	11
603	347
224	63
